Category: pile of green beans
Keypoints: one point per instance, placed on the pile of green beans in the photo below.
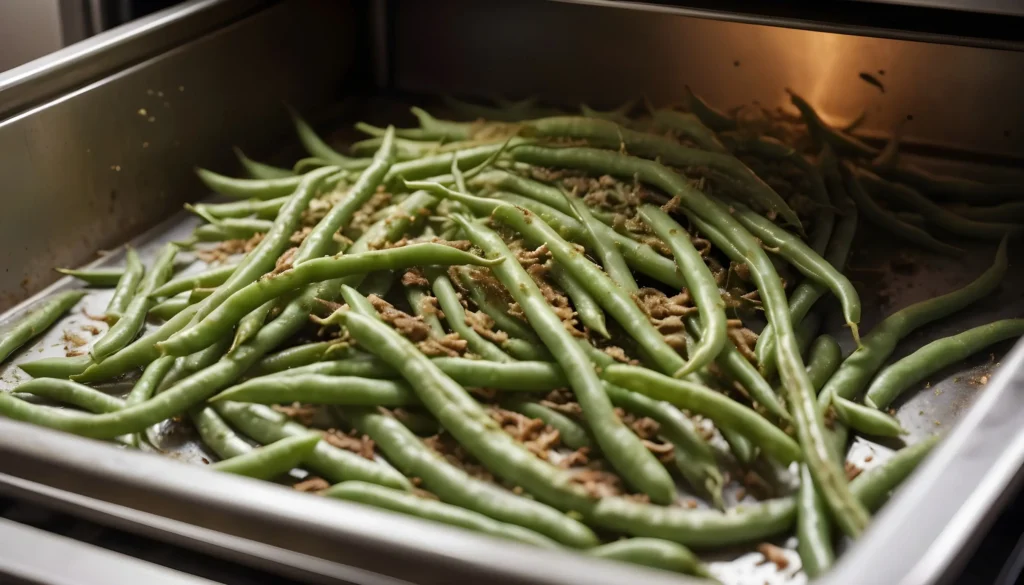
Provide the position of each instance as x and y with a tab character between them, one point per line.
584	303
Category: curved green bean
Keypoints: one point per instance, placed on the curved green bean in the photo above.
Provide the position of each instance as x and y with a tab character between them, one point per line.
455	315
297	356
133	317
652	552
496	310
587	309
152	377
1010	211
825	358
865	419
690	126
271	460
56	367
217	435
934	214
413	505
104	277
896	378
258	170
258	208
711	117
315	146
454	486
571	433
724	411
40	317
701	284
856	372
268	426
72	393
606	251
823	134
320	389
874	485
126	287
206	279
262	189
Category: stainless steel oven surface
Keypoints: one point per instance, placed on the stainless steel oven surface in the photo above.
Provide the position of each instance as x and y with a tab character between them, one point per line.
99	145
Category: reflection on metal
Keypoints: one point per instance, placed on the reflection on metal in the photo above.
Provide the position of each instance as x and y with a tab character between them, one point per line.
963	97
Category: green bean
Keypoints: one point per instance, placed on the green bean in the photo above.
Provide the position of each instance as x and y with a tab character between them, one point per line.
587	309
258	170
865	419
824	360
803	258
315	146
742	449
318	242
320	389
807	293
641	257
221	319
297	356
813	528
268	426
420	423
437	164
419	301
606	251
209	278
72	393
652	552
808	419
693	455
873	486
1010	211
498	179
225	230
736	366
410	134
932	213
104	277
856	372
456	487
150	380
497	310
571	433
56	367
701	284
262	209
435	129
252	322
262	189
405	149
617	442
463	417
610	135
711	117
455	315
126	287
166	309
311	163
525	350
889	222
898	377
217	435
698	399
696	528
689	126
413	505
37	320
823	134
133	317
272	460
610	296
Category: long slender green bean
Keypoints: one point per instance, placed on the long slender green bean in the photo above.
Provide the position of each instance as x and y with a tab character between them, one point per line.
606	251
652	552
455	315
258	208
208	278
262	189
297	356
412	505
587	309
126	287
496	309
37	320
454	486
864	419
258	170
56	367
813	528
711	117
701	284
133	317
898	377
271	460
1005	212
217	435
873	486
320	389
315	146
72	393
808	419
104	277
690	126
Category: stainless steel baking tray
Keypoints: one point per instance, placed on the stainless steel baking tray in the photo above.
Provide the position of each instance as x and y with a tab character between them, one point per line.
229	85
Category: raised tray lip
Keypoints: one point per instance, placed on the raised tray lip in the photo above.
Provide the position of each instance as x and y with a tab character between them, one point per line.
100	55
